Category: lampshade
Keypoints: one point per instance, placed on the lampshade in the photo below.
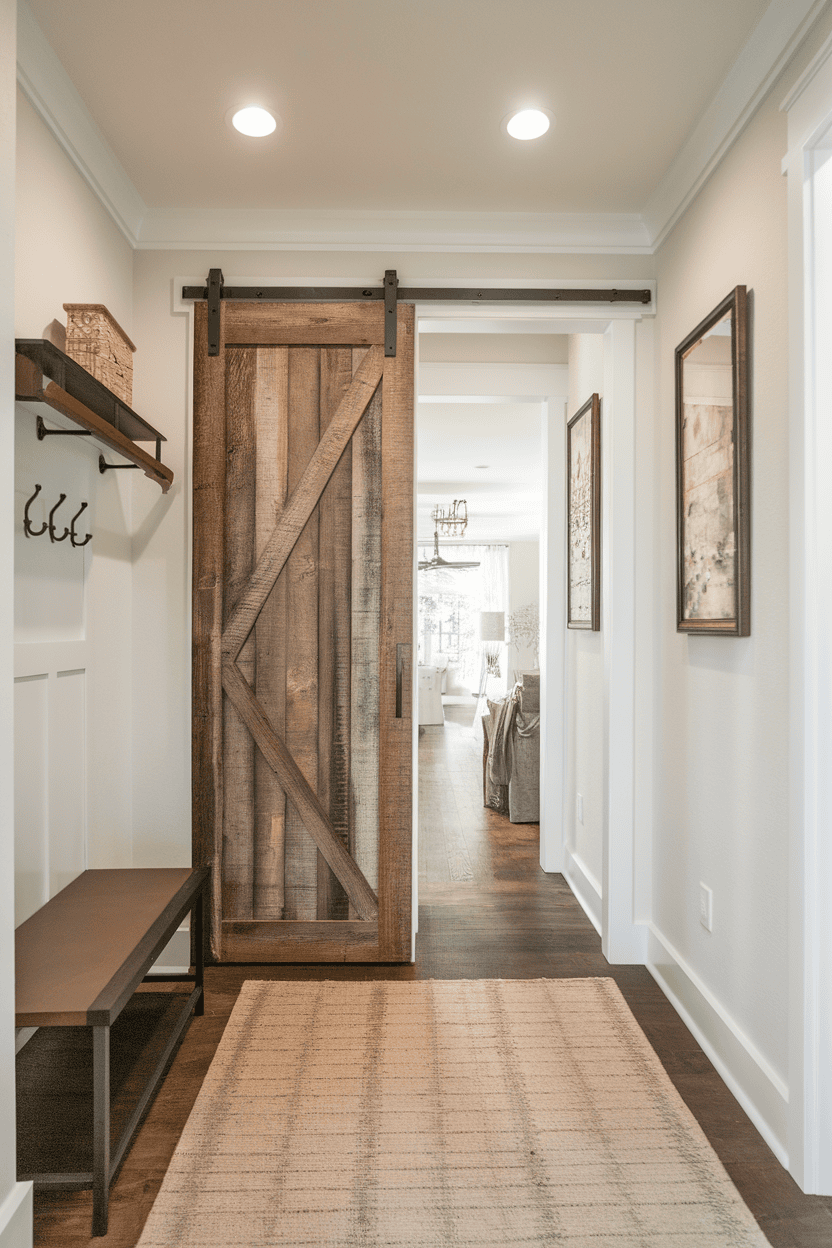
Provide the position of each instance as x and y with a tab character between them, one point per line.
492	626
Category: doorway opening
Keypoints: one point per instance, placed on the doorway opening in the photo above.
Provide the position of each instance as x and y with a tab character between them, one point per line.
483	419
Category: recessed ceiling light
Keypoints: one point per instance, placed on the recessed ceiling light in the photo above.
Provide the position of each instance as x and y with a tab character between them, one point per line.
254	121
529	123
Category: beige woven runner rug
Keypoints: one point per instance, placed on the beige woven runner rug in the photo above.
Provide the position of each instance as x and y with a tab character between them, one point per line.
476	1113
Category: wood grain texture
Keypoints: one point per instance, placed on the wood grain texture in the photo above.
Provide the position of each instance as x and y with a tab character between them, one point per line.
271	487
238	746
301	859
300	793
324	324
80	955
208	567
302	502
334	635
366	607
331	941
310	511
396	733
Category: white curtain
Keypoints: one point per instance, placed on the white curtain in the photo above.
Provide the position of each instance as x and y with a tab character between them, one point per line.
494	567
450	601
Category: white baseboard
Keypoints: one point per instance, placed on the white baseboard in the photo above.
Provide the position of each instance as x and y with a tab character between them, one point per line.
175	958
759	1089
586	888
16	1219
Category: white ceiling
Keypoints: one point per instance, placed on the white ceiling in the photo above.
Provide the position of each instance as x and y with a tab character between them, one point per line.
505	498
397	106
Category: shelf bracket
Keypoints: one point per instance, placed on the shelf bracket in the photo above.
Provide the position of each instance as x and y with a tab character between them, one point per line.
43	432
103	466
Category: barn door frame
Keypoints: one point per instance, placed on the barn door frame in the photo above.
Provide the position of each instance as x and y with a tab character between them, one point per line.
383	932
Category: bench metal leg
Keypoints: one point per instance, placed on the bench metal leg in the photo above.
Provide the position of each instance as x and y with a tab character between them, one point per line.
199	952
101	1129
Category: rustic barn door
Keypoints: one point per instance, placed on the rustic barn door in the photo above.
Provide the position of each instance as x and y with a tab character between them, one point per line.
303	514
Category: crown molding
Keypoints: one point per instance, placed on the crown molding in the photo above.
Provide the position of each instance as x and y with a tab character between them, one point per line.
808	76
765	54
318	230
49	89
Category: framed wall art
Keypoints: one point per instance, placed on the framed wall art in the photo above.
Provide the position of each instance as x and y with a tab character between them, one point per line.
583	524
712	474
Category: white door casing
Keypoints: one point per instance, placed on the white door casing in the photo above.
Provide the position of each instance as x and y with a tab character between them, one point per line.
808	165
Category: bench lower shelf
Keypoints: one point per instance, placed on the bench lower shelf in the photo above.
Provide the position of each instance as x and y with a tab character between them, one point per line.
57	1069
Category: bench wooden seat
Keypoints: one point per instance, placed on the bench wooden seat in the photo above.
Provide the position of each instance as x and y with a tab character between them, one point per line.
80	958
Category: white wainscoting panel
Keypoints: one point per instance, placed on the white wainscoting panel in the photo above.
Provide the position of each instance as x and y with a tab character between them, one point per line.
50	772
67	778
31	794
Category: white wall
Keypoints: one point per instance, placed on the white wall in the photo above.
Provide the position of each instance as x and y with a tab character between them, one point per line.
15	1198
721	743
585	678
68	248
72	606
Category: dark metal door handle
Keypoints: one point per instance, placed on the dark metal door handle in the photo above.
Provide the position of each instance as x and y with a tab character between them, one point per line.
399	668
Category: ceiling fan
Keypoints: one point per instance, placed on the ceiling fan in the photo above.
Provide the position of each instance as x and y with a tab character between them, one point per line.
437	562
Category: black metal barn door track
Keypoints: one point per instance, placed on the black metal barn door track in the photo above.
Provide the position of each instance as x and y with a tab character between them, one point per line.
215	290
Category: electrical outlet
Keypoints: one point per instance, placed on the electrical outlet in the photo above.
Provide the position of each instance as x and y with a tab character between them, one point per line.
706	907
579	802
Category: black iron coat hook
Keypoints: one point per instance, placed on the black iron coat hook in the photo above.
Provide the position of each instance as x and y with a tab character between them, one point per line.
88	538
30	531
52	529
28	528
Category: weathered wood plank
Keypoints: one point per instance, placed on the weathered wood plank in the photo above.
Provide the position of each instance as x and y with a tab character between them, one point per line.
302	502
238	745
297	324
270	632
334	635
318	941
300	859
208	556
396	734
366	606
299	792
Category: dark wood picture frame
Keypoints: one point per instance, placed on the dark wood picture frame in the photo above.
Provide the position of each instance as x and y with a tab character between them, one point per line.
590	616
690	583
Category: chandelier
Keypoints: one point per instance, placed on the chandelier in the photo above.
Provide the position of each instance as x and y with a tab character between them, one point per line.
453	521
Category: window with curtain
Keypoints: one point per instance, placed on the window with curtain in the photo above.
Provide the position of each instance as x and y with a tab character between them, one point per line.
450	601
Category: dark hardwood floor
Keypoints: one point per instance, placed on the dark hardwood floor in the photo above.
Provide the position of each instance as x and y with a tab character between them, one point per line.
486	911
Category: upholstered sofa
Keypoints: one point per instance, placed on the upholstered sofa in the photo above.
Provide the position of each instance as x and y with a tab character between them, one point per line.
511	752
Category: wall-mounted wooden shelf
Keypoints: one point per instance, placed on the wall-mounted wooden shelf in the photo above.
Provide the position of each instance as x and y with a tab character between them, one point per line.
46	378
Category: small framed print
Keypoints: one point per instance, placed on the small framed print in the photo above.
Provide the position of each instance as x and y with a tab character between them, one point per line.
713	553
583	525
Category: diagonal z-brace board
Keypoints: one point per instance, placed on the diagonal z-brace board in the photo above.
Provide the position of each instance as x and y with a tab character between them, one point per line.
299	791
303	502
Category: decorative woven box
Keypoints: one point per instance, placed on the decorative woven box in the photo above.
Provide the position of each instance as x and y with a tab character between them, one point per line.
96	341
